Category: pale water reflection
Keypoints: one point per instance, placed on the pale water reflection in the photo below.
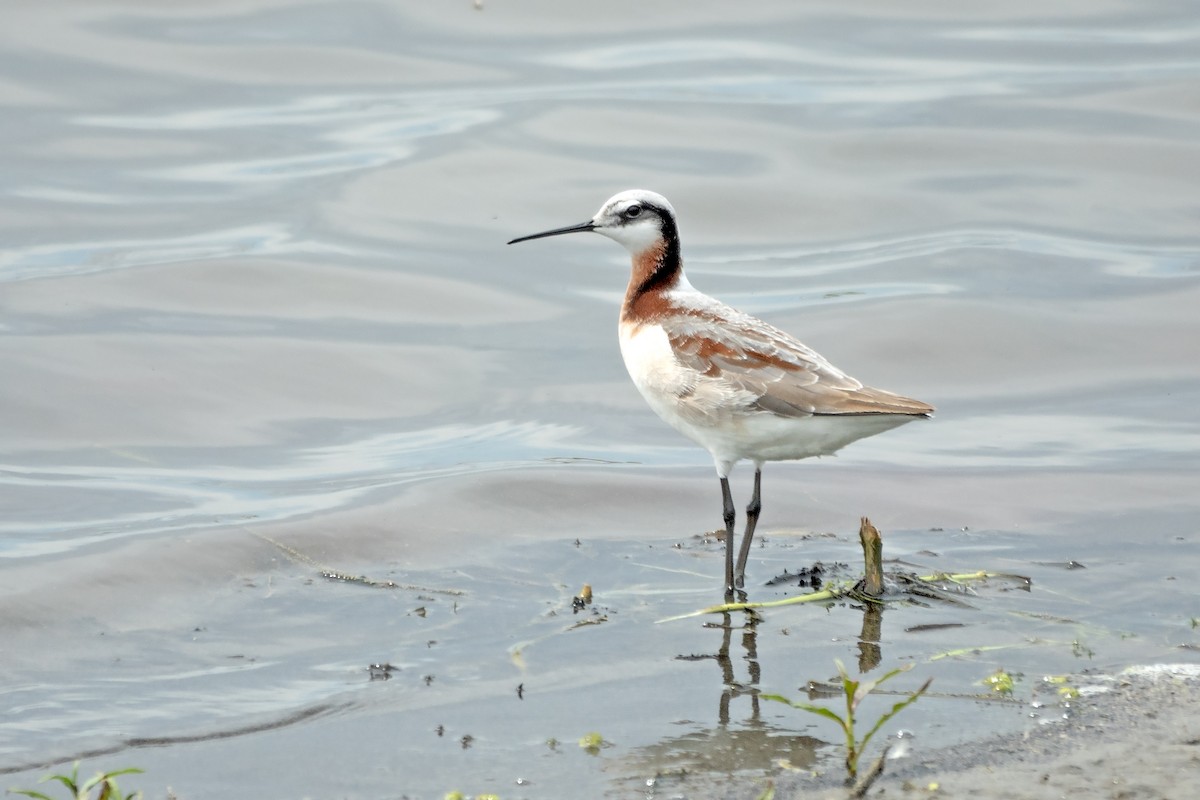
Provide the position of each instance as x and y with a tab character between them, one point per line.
150	491
1129	259
83	258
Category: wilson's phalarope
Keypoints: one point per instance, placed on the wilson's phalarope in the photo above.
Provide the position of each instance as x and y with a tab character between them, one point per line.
730	382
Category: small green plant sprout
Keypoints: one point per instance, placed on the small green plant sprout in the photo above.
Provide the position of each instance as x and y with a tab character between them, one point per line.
1000	682
591	743
767	793
105	782
1066	692
855	692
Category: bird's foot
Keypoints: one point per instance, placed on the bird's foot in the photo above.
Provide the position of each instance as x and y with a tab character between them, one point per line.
735	594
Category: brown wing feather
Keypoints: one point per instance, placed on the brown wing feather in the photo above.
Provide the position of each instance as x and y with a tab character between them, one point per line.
787	377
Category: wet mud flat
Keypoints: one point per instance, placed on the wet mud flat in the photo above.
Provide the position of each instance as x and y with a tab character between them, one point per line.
1131	735
352	656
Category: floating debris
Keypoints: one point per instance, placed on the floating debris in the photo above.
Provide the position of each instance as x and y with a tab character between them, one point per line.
582	600
381	672
934	626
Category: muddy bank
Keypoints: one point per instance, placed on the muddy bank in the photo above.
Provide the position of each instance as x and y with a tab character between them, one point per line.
1132	736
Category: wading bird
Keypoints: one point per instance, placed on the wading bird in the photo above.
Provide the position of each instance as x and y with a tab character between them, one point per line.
729	381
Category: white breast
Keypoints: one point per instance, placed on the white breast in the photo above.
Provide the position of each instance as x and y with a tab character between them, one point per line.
651	363
702	408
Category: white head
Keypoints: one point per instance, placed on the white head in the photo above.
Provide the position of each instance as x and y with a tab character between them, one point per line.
636	218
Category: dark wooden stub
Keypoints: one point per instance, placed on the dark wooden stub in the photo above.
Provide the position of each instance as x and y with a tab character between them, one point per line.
872	545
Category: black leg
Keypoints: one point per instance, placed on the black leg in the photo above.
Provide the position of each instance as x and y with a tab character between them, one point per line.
730	515
751	521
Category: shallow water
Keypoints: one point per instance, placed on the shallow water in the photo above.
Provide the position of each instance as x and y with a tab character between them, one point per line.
257	322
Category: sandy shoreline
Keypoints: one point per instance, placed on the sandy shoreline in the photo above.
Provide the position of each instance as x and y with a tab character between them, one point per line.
1134	736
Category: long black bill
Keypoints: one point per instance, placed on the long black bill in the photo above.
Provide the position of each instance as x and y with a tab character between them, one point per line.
583	226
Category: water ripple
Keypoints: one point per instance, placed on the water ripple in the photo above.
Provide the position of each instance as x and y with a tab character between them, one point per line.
1109	35
294	483
1126	259
83	258
376	143
286	167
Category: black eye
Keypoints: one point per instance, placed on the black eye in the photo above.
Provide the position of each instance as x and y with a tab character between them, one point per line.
633	212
